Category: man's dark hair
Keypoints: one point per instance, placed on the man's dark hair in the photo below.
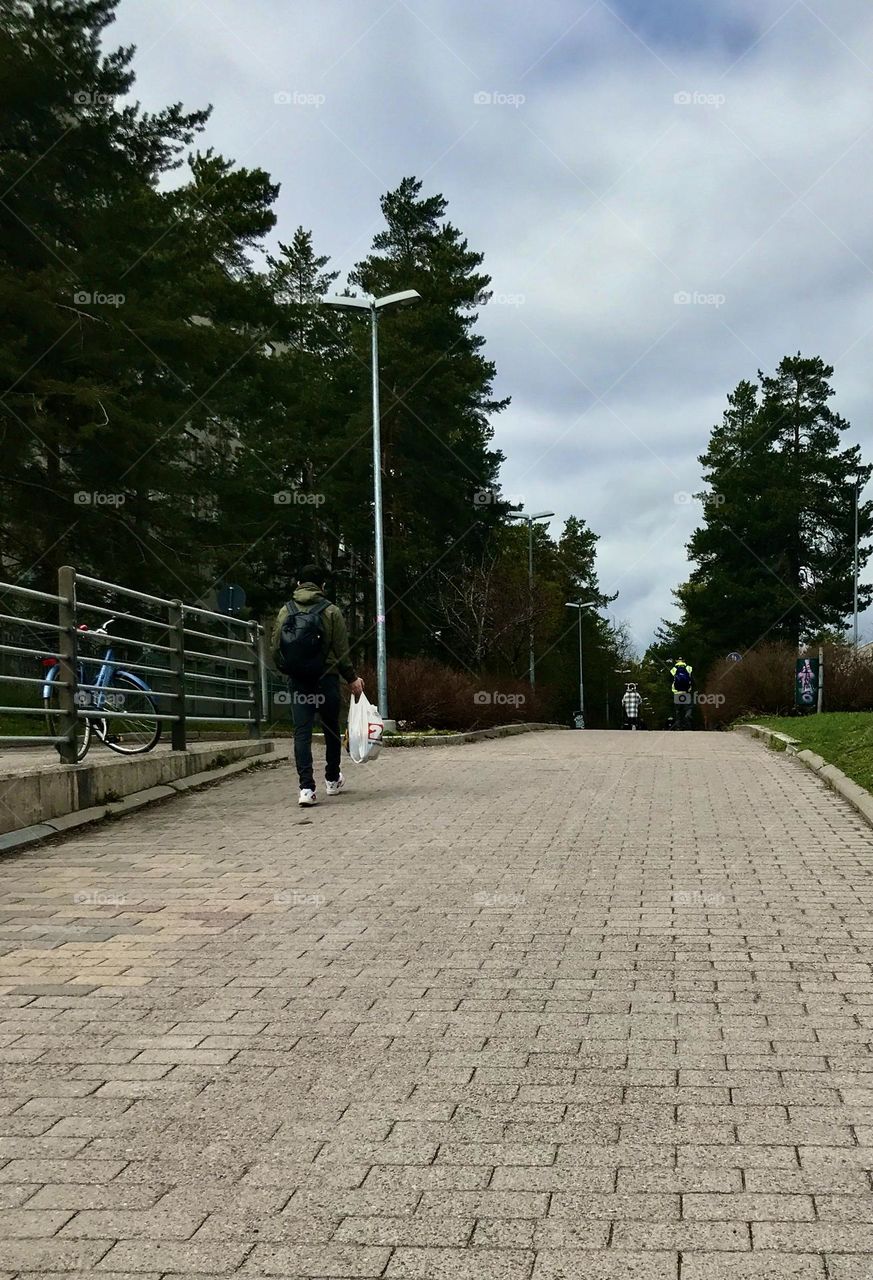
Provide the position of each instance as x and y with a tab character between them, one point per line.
312	573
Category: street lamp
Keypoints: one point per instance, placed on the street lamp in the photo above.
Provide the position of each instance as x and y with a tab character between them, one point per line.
855	569
375	306
573	604
539	515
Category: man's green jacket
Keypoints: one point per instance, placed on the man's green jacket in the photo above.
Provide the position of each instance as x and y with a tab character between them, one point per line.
336	652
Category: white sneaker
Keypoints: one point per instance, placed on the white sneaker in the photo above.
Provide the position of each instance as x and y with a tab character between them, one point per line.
307	798
334	788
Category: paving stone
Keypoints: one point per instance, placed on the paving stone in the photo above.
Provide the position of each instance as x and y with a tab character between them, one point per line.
30	1224
749	1207
42	1171
759	1265
74	1195
322	1260
422	1230
139	1256
459	1264
51	1254
121	1224
598	1264
813	1237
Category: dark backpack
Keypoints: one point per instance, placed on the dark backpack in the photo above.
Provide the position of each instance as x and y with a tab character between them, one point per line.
302	642
682	680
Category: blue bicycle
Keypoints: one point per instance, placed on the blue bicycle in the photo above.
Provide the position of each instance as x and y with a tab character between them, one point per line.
103	686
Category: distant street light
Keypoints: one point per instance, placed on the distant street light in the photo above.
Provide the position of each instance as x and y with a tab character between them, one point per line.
539	515
573	604
375	306
855	571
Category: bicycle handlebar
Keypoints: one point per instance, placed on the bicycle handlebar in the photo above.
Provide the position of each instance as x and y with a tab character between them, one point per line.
102	631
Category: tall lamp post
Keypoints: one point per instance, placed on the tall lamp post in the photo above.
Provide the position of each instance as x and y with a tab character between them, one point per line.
530	520
573	604
855	571
376	306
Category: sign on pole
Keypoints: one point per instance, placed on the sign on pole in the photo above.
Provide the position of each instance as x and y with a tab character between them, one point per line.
231	599
807	677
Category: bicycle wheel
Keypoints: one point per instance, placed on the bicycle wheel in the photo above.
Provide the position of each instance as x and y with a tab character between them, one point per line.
54	721
129	733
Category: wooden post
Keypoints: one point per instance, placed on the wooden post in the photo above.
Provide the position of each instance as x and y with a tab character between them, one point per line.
820	679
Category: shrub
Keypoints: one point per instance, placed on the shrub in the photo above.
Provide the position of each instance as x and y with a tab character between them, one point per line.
763	683
426	694
848	679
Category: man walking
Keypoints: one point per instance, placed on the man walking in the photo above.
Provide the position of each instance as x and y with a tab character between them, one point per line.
631	707
311	647
683	694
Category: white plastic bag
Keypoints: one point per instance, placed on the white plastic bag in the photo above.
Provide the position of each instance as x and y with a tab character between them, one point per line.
364	737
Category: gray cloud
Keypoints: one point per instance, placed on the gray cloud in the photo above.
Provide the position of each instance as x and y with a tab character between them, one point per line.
597	199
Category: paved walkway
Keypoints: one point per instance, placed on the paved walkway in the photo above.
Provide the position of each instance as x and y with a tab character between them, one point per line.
566	1005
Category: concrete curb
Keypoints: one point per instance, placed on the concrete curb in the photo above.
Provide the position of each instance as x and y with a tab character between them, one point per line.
833	778
38	832
44	792
474	735
771	737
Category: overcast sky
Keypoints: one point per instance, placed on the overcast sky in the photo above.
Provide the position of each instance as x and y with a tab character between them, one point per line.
612	161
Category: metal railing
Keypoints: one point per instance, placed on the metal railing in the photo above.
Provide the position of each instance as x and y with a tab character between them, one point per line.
179	657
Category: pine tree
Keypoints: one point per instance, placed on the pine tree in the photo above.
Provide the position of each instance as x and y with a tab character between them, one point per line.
126	309
774	555
437	399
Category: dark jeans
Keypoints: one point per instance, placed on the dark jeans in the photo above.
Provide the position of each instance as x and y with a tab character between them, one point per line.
683	712
321	698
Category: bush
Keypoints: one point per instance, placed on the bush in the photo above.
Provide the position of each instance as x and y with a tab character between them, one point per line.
426	694
848	679
763	683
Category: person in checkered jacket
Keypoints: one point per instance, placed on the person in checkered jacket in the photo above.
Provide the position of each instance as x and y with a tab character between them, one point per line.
631	707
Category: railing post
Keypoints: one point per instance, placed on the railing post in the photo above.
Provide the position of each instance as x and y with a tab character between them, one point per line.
256	686
68	704
266	706
177	667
